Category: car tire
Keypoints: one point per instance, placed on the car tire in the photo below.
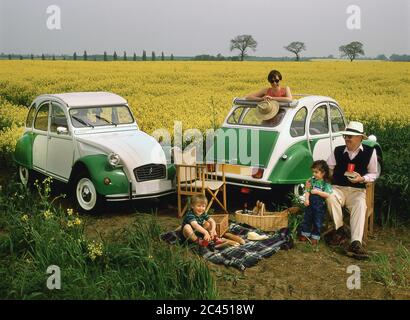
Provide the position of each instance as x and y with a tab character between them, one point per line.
85	194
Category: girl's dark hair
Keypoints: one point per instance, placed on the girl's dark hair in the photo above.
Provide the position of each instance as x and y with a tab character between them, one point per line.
274	74
322	166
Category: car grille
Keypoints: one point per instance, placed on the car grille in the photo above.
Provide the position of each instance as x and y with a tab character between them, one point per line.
150	172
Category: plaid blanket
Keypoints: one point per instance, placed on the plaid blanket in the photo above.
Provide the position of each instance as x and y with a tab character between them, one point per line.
243	256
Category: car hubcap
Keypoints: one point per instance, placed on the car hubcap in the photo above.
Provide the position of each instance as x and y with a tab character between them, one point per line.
299	192
86	194
24	175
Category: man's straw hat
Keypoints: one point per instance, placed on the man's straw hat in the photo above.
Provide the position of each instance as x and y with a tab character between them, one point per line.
355	128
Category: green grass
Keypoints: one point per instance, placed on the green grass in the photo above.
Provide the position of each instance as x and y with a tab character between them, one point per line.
392	271
132	264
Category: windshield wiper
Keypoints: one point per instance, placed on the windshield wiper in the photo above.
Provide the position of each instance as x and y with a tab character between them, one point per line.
108	121
82	121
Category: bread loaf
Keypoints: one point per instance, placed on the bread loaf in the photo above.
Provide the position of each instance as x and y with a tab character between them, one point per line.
233	237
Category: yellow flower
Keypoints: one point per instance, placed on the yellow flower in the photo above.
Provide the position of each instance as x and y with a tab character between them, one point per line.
70	212
48	214
77	221
24	218
95	249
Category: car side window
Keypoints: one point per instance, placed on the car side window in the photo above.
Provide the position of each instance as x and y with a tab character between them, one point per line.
58	118
41	122
235	116
298	125
319	122
336	119
30	116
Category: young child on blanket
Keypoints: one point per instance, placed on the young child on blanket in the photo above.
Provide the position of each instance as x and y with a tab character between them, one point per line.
197	225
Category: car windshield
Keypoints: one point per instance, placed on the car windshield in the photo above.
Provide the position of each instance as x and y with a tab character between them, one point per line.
100	116
249	116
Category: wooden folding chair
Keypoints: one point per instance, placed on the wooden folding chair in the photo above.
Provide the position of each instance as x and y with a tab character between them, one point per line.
193	179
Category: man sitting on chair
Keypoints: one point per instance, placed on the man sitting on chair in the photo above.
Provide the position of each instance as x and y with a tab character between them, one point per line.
352	166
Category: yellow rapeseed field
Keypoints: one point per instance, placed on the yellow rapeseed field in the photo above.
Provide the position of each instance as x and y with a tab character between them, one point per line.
197	93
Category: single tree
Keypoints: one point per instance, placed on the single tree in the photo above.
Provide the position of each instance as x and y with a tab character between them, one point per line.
115	57
32	56
85	56
172	57
125	56
243	43
144	55
43	57
63	57
9	56
75	56
21	57
153	56
296	47
105	56
134	57
54	57
162	56
352	50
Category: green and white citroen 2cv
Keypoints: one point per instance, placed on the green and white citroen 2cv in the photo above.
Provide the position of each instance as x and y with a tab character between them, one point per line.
263	154
91	141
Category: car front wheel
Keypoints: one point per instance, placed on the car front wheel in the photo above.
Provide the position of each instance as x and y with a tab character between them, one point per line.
85	194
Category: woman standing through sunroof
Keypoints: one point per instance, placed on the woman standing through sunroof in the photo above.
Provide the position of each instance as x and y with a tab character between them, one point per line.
274	92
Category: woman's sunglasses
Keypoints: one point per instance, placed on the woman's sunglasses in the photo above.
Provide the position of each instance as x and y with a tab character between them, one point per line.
275	80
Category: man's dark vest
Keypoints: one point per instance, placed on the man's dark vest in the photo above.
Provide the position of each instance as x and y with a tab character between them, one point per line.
361	162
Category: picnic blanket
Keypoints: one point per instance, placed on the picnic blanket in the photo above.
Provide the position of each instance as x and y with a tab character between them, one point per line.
243	256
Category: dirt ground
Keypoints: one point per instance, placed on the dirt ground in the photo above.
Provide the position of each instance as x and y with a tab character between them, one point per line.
300	273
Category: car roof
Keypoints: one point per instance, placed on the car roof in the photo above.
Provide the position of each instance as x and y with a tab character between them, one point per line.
84	99
312	100
305	100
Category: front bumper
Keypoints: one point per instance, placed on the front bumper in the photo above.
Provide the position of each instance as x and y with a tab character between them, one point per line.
134	196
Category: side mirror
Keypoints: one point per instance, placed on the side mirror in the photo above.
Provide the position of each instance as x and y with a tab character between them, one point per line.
62	130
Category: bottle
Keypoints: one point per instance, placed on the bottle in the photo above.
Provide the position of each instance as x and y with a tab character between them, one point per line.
245	208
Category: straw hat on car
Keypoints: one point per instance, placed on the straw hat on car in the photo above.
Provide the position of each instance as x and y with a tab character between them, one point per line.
267	109
355	128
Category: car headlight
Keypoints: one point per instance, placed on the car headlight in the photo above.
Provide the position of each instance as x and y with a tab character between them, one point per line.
113	159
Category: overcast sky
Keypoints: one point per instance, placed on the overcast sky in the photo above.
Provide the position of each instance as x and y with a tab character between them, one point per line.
191	27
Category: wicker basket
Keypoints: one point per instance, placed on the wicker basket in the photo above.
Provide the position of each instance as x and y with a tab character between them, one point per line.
222	223
269	221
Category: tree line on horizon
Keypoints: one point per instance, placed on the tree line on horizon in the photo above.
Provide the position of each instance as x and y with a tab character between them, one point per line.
242	43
